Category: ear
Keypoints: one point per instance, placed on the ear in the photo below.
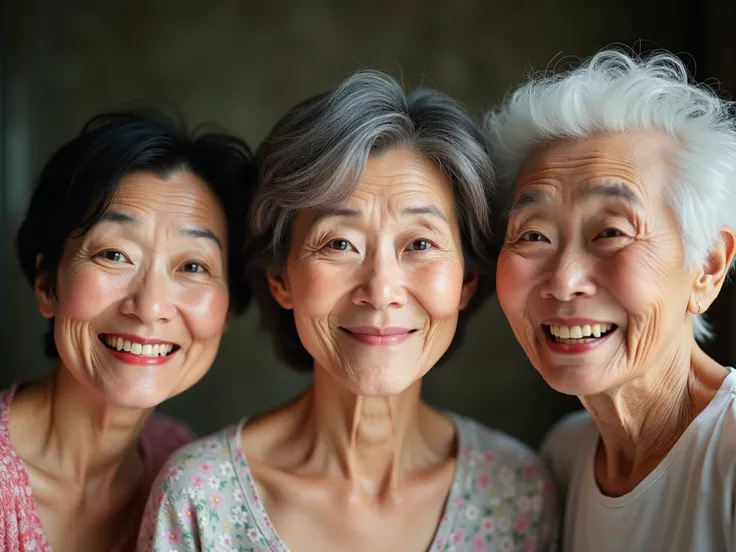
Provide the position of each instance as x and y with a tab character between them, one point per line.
714	271
278	285
42	290
470	287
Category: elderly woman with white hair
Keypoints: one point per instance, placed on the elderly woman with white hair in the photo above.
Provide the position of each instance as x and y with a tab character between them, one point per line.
620	180
370	236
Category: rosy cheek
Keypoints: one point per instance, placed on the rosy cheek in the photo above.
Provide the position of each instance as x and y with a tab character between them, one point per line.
316	290
86	293
438	287
205	311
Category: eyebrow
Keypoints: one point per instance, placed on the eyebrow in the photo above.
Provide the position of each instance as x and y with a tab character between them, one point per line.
612	190
205	233
128	220
428	209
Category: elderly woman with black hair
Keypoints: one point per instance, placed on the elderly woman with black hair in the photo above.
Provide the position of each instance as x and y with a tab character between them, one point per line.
131	241
621	176
370	231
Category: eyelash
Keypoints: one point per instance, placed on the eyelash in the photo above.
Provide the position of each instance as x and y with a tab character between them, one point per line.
600	235
103	255
330	244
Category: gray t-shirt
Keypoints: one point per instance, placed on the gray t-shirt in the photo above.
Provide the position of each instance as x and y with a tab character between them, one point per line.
686	503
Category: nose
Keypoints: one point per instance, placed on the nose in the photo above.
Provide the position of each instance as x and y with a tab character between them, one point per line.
150	299
568	277
381	285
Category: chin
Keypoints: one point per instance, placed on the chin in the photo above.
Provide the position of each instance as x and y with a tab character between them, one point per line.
380	382
573	380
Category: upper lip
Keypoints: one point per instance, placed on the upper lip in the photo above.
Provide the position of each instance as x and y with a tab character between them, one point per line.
375	330
572	322
142	340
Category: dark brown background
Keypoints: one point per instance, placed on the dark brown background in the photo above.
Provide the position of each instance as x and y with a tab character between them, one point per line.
242	64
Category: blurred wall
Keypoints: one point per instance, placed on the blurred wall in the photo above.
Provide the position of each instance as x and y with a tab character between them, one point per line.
242	64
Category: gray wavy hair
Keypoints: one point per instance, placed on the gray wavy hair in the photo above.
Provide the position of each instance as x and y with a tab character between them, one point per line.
614	92
315	156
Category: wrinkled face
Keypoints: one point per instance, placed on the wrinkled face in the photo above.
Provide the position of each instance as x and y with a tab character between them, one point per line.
592	274
377	284
142	299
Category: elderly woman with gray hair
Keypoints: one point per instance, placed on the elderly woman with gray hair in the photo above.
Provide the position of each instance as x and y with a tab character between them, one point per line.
371	231
621	176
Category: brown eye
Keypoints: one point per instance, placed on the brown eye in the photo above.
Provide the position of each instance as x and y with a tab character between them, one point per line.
421	245
192	267
533	237
610	233
113	255
340	245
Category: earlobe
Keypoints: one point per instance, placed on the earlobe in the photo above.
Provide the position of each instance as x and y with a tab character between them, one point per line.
714	272
278	285
46	303
470	287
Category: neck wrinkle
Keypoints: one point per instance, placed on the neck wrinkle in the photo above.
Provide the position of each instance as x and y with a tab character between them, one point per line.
642	420
85	436
373	438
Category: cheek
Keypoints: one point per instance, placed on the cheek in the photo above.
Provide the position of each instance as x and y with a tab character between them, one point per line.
85	294
438	287
639	279
315	290
513	280
205	312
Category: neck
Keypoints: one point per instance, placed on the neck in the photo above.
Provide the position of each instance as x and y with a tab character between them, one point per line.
82	437
370	441
641	420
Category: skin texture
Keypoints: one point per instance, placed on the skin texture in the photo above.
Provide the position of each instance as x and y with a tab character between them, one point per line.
76	430
591	235
359	462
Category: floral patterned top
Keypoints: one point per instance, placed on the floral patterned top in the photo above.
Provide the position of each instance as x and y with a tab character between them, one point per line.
20	525
205	499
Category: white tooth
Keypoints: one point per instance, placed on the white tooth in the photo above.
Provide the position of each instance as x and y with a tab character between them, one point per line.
169	348
136	348
147	349
127	345
154	350
576	332
606	327
596	329
556	329
564	332
119	344
108	340
586	330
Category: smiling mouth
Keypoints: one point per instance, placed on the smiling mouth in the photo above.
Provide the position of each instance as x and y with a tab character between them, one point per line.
120	344
570	335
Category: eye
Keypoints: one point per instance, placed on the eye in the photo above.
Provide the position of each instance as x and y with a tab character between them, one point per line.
420	245
340	245
113	255
610	233
193	267
533	237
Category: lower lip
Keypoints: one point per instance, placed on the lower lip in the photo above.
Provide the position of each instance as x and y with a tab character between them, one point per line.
384	340
576	348
139	359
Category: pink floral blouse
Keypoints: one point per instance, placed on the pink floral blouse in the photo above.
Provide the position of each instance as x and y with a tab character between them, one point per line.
205	499
20	526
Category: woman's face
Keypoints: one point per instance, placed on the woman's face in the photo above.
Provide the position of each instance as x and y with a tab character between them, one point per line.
592	275
376	285
142	298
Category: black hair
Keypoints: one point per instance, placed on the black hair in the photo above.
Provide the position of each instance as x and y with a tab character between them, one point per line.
76	186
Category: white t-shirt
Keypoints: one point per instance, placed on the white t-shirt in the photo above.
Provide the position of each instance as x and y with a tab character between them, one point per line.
686	503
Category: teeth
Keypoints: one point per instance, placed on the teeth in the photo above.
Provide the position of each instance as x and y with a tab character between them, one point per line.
576	334
120	344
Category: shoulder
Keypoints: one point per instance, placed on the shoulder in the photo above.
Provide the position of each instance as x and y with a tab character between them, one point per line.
562	446
161	436
506	486
194	463
495	458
